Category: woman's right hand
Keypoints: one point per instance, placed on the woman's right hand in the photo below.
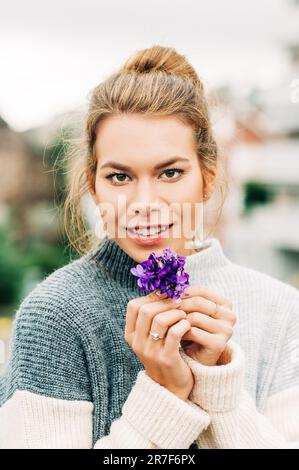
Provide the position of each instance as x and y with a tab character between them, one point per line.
161	358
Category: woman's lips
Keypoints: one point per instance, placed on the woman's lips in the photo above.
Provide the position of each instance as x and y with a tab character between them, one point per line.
149	239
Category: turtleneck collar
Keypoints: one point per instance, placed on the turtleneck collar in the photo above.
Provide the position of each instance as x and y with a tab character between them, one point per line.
209	258
110	257
117	263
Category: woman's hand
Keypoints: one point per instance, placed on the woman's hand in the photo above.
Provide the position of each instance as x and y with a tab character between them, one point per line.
161	358
211	327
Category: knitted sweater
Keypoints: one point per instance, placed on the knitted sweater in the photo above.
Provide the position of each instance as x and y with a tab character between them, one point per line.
72	381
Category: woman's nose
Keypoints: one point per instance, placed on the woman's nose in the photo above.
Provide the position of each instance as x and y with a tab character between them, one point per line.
144	201
144	210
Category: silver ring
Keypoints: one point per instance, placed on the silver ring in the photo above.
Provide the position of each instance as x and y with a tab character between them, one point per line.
155	335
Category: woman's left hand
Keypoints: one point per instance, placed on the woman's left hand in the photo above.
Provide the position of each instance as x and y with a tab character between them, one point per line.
212	321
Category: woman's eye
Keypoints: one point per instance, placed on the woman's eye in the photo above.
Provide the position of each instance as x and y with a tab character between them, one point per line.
117	181
172	172
120	178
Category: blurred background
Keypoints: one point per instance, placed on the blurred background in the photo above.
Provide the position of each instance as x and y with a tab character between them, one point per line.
53	53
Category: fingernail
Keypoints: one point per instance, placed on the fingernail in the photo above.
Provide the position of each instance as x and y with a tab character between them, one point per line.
177	301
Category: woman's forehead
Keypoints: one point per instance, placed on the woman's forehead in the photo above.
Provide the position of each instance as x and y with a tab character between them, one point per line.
150	139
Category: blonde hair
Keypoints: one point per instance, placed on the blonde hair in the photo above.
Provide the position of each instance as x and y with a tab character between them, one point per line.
157	81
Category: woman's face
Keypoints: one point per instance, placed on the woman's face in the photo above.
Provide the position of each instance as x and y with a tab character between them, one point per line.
147	172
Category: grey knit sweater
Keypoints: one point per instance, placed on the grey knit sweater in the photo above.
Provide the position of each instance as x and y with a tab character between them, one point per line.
68	333
68	340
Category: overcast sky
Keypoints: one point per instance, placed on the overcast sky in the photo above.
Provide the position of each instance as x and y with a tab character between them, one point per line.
53	52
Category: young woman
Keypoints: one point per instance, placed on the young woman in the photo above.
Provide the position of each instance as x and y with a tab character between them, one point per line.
94	361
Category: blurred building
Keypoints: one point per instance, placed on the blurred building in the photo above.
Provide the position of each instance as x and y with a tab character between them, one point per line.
26	184
262	152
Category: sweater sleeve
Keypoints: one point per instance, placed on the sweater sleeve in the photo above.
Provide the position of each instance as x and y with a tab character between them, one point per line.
45	392
235	421
154	417
46	399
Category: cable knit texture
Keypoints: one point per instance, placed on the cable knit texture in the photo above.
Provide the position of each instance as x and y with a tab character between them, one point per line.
72	381
228	378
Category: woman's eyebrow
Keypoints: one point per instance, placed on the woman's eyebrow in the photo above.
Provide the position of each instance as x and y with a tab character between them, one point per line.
119	166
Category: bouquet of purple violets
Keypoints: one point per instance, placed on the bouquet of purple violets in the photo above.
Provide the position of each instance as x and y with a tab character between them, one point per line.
165	273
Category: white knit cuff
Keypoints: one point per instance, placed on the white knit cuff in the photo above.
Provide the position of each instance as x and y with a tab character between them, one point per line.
162	417
218	388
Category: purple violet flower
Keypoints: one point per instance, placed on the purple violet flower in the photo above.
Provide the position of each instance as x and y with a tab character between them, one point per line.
165	273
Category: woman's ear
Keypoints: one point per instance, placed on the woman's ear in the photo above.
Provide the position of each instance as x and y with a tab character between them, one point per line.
209	182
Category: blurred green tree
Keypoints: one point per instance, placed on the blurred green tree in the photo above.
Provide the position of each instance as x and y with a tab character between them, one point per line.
25	261
255	193
10	273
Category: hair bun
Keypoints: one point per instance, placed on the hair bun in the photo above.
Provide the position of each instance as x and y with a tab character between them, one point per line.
159	58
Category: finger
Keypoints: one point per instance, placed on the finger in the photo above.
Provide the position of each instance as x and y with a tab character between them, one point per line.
211	342
159	295
201	291
216	311
133	308
200	304
206	323
163	321
200	320
226	314
174	336
146	314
